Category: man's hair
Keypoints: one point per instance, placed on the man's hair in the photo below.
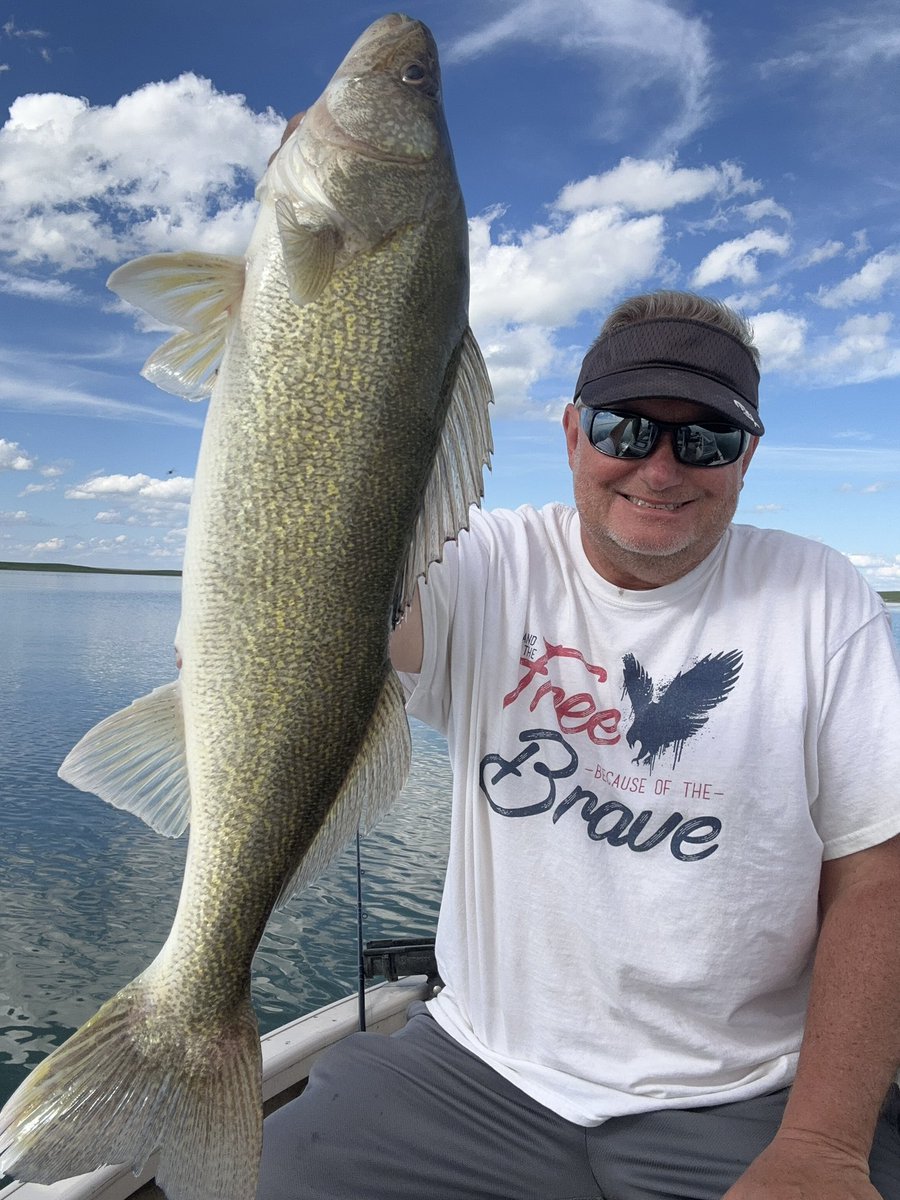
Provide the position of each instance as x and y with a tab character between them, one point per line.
684	305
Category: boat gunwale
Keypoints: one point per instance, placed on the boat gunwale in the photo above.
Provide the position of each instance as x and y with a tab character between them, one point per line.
288	1054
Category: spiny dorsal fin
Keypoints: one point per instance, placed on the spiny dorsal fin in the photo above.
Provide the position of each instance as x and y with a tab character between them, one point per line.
456	481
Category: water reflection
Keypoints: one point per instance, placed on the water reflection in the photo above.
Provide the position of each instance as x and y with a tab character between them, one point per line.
88	893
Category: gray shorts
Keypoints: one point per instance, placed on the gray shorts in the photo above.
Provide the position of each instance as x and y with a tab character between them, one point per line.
417	1117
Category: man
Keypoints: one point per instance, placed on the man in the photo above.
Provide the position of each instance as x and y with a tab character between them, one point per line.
672	888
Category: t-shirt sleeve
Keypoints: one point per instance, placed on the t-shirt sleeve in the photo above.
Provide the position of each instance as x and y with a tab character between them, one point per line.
454	597
858	759
429	692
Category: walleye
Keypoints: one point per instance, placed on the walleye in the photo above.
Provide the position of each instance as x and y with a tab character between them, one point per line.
345	442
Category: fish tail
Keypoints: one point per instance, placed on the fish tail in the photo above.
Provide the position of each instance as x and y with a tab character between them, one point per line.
130	1083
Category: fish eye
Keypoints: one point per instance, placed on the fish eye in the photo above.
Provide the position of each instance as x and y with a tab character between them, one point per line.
414	73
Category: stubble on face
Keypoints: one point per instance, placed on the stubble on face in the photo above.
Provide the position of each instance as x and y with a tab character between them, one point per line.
648	522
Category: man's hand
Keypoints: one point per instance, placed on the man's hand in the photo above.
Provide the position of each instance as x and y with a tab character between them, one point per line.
799	1167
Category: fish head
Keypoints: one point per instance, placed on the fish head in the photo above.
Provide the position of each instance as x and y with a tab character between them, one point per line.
373	153
386	94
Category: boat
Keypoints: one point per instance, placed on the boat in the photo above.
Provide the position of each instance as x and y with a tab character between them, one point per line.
288	1054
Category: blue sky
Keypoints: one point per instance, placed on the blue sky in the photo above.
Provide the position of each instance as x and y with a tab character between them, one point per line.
604	147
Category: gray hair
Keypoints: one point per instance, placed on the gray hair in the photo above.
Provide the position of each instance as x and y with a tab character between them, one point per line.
684	305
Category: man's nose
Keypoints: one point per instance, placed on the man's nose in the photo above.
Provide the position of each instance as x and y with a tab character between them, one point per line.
661	468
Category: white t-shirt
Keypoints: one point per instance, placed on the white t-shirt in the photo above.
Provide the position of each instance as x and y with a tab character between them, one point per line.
645	785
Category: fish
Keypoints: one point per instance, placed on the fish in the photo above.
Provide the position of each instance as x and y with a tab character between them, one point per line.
344	444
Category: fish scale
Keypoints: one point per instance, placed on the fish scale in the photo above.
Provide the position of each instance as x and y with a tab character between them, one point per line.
344	443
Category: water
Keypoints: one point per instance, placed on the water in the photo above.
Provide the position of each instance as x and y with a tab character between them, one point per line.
87	893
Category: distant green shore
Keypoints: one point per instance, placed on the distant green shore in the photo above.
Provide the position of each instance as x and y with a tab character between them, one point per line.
890	597
69	568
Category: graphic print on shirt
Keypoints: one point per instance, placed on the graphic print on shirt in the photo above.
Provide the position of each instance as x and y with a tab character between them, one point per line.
681	708
541	771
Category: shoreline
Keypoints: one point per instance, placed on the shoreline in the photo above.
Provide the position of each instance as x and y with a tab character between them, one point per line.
69	568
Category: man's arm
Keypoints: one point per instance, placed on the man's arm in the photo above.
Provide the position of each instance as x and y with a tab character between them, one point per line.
851	1046
408	640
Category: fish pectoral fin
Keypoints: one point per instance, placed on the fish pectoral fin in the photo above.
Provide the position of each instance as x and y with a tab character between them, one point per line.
188	289
309	252
135	760
372	784
188	363
457	480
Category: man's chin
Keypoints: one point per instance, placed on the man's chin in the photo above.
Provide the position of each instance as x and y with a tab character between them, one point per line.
644	547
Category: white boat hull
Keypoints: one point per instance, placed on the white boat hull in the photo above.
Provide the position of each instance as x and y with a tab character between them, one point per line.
288	1054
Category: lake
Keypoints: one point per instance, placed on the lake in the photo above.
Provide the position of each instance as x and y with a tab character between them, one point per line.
87	893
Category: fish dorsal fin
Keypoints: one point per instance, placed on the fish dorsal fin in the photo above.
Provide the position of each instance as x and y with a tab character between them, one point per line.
188	363
373	783
456	481
309	252
189	289
135	760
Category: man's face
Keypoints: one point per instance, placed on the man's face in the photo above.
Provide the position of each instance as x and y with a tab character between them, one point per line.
646	522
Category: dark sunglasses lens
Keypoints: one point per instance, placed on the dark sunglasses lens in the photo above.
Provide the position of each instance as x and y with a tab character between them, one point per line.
709	445
618	436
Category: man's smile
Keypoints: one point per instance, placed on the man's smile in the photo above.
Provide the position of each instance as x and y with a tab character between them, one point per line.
650	504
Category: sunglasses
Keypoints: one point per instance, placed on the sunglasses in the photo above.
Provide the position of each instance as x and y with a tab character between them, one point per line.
620	435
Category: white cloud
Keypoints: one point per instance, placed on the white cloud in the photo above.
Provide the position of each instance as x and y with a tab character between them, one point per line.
12	30
746	301
139	499
847	43
517	358
759	210
83	184
176	489
51	545
881	571
737	259
37	289
869	282
641	48
33	488
862	351
854	435
14	518
840	460
858	351
528	285
653	185
14	458
823	253
31	384
547	276
781	338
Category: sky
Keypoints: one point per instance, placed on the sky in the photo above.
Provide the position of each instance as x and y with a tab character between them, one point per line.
604	147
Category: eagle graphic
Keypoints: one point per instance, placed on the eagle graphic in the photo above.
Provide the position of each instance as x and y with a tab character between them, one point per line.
681	709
